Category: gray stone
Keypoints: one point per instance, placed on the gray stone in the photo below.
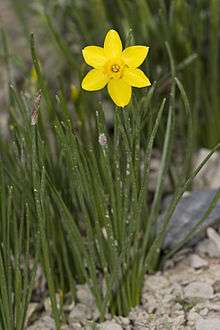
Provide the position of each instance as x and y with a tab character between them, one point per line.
208	324
208	247
197	291
204	312
81	313
45	322
197	262
214	237
85	296
189	211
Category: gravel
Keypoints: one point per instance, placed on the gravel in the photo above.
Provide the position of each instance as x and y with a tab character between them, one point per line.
184	296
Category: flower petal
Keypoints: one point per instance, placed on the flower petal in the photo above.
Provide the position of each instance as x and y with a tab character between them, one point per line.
94	80
94	56
135	78
134	56
112	44
119	91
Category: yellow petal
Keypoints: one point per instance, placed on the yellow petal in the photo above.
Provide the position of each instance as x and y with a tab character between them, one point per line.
94	56
112	44
134	56
94	80
119	91
135	78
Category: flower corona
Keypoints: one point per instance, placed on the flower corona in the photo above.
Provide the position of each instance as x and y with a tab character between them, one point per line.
116	68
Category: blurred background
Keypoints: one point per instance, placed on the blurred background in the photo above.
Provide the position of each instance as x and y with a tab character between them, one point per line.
63	27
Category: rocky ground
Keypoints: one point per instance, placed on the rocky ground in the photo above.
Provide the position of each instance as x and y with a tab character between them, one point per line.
184	296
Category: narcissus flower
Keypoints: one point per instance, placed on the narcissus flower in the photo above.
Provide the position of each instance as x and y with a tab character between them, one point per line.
116	68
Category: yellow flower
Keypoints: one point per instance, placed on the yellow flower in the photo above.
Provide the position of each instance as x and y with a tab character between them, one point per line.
116	68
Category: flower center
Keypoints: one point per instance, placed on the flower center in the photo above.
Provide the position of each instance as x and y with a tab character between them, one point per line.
115	68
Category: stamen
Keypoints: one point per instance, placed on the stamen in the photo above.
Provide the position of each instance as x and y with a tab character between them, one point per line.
115	68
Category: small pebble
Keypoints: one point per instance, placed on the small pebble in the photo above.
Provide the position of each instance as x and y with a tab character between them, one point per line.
45	322
80	313
198	290
197	262
208	248
214	237
204	312
85	296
